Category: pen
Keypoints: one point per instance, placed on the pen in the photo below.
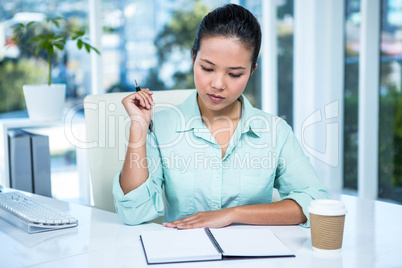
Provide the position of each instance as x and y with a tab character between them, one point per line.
137	89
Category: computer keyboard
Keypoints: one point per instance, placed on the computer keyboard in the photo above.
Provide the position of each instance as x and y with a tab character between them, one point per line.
31	215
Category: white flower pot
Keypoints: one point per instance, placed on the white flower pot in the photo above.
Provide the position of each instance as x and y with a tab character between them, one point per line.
44	102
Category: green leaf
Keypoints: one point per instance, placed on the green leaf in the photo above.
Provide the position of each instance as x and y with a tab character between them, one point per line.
50	50
59	43
59	46
79	33
97	51
87	47
41	37
37	50
92	48
54	21
79	43
59	38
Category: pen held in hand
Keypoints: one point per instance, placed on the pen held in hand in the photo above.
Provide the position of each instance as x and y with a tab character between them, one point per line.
137	89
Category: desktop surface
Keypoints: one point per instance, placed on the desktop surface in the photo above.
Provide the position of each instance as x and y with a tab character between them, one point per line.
371	239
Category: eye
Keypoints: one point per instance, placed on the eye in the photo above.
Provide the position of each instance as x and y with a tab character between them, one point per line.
235	75
206	69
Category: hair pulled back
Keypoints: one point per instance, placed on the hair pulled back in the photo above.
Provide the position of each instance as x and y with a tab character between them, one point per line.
231	21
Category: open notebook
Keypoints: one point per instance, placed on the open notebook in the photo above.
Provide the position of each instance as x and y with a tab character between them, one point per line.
206	244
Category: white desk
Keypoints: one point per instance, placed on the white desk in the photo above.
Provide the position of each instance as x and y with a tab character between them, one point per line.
372	238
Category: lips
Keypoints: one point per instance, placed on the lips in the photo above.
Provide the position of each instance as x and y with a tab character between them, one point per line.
215	98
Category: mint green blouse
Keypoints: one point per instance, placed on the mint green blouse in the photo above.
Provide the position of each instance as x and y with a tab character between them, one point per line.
185	160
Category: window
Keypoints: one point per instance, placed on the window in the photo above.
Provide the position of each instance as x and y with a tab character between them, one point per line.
18	66
151	42
390	100
390	135
146	41
285	60
351	94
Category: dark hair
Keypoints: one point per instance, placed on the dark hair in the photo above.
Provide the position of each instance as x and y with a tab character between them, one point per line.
231	21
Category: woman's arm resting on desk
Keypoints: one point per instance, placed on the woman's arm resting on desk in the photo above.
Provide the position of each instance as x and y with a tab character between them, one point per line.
285	212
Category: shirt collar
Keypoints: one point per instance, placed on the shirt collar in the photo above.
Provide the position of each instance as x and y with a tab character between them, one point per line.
190	117
249	118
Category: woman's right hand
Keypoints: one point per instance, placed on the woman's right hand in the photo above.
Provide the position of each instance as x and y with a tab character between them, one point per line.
138	106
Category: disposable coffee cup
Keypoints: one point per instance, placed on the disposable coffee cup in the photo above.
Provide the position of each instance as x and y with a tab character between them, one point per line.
327	220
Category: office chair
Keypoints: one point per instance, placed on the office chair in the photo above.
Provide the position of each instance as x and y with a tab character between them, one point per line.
107	127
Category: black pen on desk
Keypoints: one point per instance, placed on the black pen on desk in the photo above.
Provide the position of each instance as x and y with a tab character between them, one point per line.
137	89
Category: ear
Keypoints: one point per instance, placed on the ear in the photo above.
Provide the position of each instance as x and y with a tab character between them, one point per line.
252	71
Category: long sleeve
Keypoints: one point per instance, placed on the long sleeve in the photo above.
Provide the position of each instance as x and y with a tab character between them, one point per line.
295	176
146	202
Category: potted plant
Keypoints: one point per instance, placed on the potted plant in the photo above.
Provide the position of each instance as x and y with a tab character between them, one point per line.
44	39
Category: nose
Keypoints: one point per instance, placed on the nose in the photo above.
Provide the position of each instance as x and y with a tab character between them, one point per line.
218	82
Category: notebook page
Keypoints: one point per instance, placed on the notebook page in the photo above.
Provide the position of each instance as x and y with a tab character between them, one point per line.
250	241
178	245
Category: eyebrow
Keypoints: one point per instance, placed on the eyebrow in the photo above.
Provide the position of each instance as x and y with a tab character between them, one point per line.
232	68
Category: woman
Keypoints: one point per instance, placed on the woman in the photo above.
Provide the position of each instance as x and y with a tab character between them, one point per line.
217	157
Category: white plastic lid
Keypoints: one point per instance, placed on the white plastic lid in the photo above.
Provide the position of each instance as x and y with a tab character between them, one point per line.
327	207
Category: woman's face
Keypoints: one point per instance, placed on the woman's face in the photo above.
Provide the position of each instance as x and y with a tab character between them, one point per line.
222	68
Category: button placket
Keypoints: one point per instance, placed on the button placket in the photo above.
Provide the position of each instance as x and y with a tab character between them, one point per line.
217	188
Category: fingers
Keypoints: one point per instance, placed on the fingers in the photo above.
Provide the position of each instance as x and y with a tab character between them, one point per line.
183	225
193	221
142	98
145	98
185	220
148	95
211	219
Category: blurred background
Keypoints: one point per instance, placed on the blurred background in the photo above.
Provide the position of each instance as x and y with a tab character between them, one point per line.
150	41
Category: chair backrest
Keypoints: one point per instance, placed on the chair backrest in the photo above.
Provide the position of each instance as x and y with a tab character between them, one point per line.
107	127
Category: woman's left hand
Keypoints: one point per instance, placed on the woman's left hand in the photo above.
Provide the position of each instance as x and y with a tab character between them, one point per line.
202	219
